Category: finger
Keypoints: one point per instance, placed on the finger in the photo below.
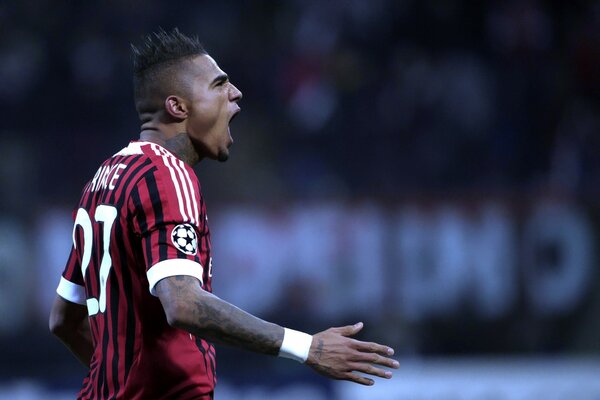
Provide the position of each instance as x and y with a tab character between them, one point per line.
359	379
376	359
370	347
349	330
371	370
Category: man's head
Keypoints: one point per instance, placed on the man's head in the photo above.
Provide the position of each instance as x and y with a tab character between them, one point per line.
178	88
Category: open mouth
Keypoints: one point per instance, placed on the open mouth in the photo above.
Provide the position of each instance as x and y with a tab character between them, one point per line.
234	115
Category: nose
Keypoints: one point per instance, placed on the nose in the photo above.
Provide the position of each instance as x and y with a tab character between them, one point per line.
235	94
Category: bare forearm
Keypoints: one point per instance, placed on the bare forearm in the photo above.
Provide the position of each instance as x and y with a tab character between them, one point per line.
332	352
207	316
219	321
69	322
79	341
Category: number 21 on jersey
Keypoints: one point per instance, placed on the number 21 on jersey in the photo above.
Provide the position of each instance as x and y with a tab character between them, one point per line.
106	215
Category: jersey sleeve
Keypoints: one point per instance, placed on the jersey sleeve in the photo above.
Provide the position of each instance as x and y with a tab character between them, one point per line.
166	216
71	285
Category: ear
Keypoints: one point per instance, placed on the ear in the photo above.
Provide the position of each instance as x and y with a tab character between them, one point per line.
176	107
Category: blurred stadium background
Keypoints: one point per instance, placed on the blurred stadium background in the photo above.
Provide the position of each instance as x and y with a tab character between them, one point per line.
428	167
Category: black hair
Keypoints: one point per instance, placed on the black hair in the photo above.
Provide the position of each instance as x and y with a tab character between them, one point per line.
164	48
152	64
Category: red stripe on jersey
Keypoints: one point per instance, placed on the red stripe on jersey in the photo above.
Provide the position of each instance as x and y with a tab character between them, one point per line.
175	181
188	188
183	183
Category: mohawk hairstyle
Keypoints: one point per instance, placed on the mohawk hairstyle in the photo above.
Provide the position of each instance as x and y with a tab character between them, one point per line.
164	47
158	69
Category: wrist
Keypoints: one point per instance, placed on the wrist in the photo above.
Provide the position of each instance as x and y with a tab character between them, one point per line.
295	345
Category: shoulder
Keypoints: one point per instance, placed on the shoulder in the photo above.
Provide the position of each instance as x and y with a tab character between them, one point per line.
172	173
165	161
163	165
173	182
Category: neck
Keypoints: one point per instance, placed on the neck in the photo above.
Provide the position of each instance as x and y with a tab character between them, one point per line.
179	144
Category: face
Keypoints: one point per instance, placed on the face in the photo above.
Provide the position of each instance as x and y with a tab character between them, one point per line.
212	104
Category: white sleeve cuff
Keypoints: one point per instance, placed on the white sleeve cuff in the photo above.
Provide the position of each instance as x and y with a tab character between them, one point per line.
175	266
296	345
71	291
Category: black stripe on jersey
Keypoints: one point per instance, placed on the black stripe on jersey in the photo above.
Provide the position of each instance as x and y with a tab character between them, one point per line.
114	313
86	392
130	317
212	365
125	274
132	175
154	194
183	255
102	385
141	220
209	357
214	372
202	350
141	217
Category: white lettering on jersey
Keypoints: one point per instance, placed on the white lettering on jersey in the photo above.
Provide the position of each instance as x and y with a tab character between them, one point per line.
92	184
104	180
116	176
101	178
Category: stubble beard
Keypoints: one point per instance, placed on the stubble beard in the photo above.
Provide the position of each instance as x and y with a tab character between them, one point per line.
222	156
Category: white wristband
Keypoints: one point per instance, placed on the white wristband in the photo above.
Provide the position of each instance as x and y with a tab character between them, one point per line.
296	345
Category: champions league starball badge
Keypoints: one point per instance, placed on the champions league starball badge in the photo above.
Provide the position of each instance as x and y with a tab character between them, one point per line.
184	238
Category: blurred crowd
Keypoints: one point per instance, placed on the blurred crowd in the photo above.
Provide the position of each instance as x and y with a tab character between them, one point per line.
349	98
344	100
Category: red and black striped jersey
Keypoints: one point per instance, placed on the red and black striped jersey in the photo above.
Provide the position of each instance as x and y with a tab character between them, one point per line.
141	218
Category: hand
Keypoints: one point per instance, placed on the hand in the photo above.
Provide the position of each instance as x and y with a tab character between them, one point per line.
334	354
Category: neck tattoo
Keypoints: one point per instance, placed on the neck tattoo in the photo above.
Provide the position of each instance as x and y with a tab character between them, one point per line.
182	147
